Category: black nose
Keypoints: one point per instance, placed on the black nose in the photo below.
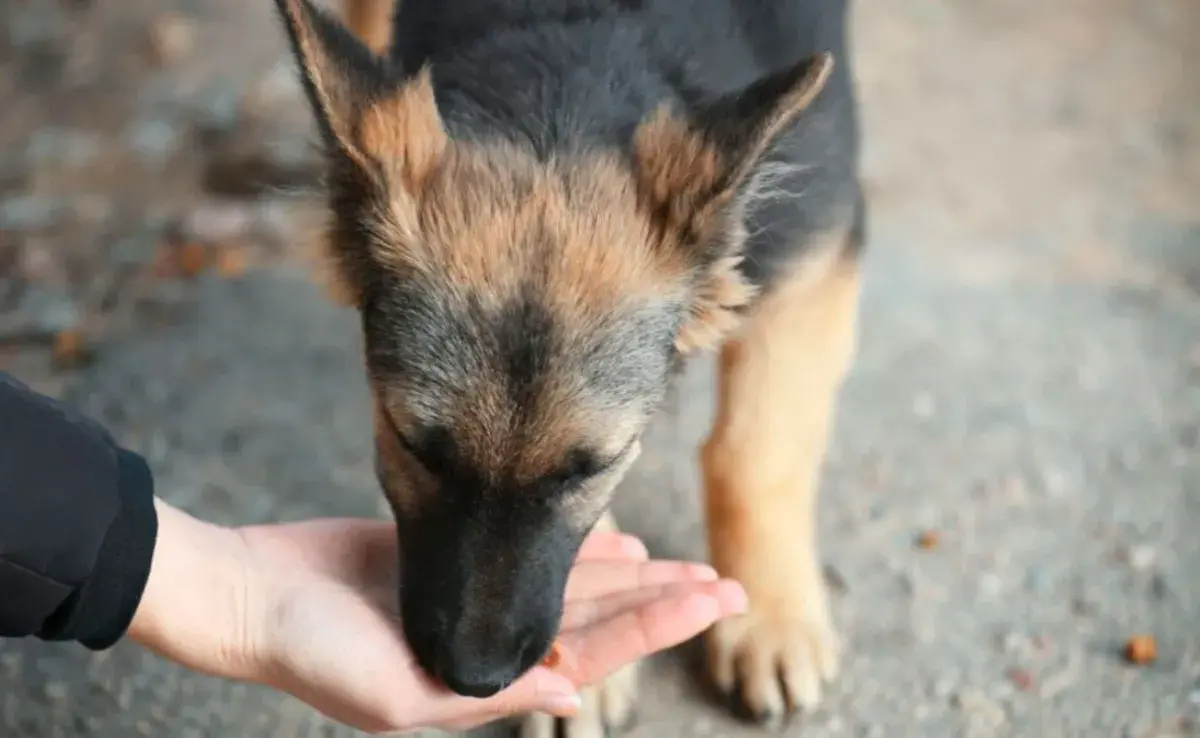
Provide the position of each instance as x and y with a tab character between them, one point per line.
482	666
479	686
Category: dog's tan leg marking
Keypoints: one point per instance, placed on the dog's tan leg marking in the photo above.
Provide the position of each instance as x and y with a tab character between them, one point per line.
779	382
371	21
606	708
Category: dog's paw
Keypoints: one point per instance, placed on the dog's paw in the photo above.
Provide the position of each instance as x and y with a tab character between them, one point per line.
770	667
608	709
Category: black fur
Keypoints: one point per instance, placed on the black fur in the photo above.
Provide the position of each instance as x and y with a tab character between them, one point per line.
487	556
560	75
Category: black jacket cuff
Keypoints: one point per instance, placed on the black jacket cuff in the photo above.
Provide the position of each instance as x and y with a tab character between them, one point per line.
99	613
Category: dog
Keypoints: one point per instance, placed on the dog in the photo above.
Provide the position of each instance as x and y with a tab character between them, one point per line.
540	210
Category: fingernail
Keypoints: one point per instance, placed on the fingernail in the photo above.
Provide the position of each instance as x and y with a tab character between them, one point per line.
703	573
563	704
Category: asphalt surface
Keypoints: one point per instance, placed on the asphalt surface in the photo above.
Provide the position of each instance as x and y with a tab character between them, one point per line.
1028	387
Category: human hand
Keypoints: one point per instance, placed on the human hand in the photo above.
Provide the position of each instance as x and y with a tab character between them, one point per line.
333	636
313	612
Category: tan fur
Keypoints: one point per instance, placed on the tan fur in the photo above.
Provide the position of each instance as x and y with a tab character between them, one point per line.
407	485
593	237
779	384
404	134
690	188
485	219
371	21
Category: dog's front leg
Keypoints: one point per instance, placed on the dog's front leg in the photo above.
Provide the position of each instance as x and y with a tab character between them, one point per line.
778	389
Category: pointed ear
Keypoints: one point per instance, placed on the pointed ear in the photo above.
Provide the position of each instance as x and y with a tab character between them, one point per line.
697	173
384	125
384	137
339	74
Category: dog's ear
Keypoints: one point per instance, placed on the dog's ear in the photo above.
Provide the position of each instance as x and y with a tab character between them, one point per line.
383	136
339	74
697	174
384	125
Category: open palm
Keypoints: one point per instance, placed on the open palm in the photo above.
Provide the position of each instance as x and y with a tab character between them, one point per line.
329	628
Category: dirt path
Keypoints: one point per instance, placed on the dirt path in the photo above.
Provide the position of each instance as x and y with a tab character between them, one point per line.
1029	383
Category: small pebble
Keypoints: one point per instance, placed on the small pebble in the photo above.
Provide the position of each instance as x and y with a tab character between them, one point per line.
928	540
63	146
923	406
50	310
1055	483
134	251
28	213
221	111
1083	607
153	140
231	262
975	704
990	585
171	37
278	87
1022	679
943	688
1160	587
215	223
1141	557
71	350
92	209
1039	581
835	579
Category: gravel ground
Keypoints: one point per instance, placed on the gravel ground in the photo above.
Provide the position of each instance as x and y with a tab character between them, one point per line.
1028	389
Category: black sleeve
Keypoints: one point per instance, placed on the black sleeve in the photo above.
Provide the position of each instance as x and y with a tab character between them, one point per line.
77	523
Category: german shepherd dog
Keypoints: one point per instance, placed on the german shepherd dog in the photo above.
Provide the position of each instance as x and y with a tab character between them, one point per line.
539	209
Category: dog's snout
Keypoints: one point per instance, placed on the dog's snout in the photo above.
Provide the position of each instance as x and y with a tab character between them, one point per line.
482	666
486	601
476	656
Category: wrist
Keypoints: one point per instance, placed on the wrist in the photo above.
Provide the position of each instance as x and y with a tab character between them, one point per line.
196	609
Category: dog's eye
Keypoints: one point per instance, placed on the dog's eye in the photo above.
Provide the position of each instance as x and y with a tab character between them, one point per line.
580	466
583	464
431	451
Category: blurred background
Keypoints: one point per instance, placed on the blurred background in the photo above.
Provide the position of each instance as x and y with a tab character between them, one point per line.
1014	491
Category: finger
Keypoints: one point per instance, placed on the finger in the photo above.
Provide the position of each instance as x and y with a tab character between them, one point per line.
590	654
586	612
592	580
605	545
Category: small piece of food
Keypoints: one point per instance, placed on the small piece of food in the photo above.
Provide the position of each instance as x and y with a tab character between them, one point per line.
928	540
1022	679
193	259
231	262
1141	650
554	658
70	350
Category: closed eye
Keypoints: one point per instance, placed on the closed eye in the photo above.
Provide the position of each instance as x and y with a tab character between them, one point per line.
431	452
583	464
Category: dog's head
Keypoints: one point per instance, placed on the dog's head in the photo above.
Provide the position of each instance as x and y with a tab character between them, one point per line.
522	316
